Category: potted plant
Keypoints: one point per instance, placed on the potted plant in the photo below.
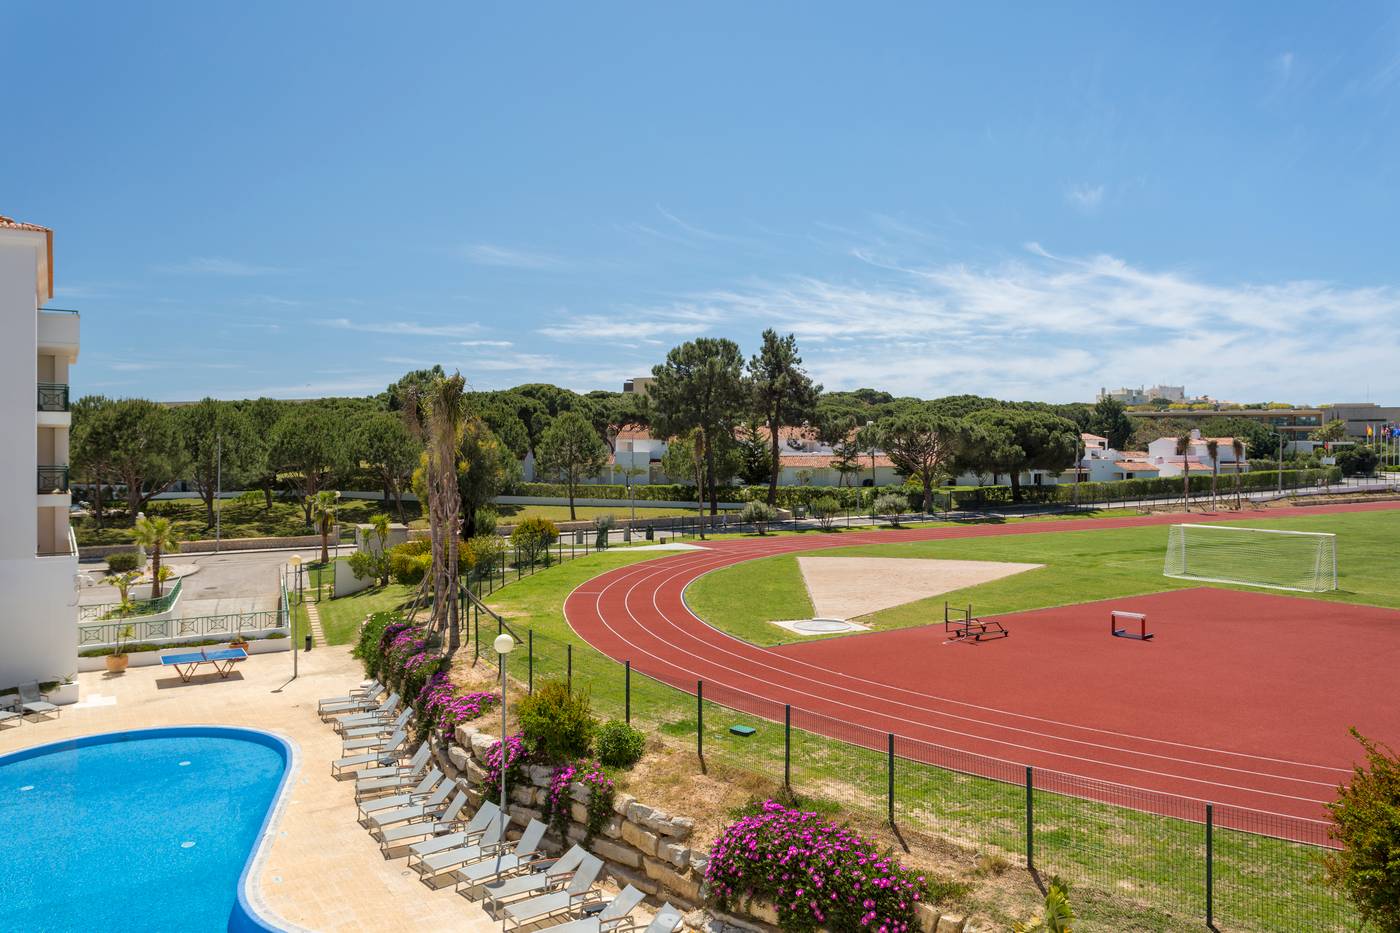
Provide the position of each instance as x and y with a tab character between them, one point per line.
118	659
238	641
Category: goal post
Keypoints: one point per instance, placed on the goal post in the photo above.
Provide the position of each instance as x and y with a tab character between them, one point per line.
1305	561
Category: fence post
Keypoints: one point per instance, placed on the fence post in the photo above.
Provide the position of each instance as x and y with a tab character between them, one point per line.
1030	818
787	746
530	653
700	719
1210	866
891	778
569	660
476	640
627	691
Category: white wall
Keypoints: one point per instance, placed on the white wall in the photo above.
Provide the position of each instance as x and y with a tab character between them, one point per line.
39	624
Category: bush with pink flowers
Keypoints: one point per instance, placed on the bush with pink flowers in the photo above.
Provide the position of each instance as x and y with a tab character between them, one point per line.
815	873
601	792
441	707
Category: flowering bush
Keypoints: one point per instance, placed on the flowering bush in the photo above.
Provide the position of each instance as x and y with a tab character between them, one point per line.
815	873
514	761
600	798
441	707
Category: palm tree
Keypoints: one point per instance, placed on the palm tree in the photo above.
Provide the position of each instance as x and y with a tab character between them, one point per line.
1213	448
1238	446
1183	450
156	536
323	508
445	422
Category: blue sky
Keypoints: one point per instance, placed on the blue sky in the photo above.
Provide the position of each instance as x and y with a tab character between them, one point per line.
1030	202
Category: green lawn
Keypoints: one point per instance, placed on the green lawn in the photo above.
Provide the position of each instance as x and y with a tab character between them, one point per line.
1080	566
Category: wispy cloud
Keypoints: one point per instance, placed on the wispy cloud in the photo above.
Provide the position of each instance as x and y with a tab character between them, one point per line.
487	343
648	326
405	328
216	266
488	254
1087	198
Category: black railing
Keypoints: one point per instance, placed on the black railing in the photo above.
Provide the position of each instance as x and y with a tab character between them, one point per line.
53	396
52	479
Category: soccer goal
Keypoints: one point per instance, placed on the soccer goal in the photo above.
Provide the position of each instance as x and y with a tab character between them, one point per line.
1281	560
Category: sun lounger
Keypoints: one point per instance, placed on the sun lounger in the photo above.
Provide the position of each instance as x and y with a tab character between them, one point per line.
449	840
424	789
367	742
543	876
34	702
378	728
610	915
506	862
364	692
10	717
667	920
349	706
367	717
391	751
373	782
440	827
431	867
429	809
576	895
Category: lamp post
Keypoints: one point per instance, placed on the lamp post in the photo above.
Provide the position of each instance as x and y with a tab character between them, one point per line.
291	619
504	645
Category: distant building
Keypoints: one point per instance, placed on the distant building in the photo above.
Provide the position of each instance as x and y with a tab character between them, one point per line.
641	385
1361	415
38	556
1143	395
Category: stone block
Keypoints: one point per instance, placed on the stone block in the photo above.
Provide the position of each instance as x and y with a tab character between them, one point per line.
539	775
459	757
621	803
618	854
951	923
638	812
672	880
523	815
578	813
525	796
928	917
699	862
643	840
679	827
475	773
613	827
675	853
579	791
481	745
625	876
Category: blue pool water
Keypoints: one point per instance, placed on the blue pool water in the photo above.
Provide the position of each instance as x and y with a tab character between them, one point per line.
148	830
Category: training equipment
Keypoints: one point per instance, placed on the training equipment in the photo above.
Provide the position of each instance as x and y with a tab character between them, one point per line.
1281	560
187	662
962	624
1142	634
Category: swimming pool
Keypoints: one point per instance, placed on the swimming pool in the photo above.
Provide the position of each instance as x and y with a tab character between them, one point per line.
147	830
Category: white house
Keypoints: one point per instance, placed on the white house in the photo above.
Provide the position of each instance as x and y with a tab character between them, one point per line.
1162	453
38	556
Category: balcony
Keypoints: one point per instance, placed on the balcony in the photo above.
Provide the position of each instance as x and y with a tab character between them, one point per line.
53	396
53	480
58	332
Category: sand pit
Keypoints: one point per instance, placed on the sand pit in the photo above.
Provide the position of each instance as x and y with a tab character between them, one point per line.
848	587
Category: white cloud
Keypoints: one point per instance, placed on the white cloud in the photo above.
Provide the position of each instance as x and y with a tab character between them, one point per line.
628	325
405	328
1087	198
217	266
487	254
487	343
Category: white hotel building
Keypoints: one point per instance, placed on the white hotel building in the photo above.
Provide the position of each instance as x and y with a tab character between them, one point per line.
38	557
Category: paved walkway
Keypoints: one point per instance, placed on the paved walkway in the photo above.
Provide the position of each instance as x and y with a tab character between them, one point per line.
323	872
313	619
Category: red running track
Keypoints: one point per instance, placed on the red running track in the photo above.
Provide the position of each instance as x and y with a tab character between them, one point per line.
1242	700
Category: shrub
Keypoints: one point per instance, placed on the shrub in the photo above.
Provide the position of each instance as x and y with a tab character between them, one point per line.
533	536
758	514
123	561
514	761
369	648
1357	461
603	524
483	553
600	797
557	724
1366	822
825	510
371	565
410	562
618	744
485	521
889	507
814	872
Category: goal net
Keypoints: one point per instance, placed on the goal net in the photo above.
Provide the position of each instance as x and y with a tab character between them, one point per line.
1281	560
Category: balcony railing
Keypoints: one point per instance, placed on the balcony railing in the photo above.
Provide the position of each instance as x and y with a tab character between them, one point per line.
53	396
52	479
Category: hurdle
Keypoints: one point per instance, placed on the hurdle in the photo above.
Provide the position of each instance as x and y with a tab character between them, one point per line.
962	624
1142	634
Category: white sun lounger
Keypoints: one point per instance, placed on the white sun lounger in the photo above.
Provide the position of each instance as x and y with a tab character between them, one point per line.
379	728
367	742
10	717
34	702
428	809
667	920
421	791
610	916
431	867
576	895
526	852
365	691
472	830
542	877
391	750
389	779
396	837
359	706
384	711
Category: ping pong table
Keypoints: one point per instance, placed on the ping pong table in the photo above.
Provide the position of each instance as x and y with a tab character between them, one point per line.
187	663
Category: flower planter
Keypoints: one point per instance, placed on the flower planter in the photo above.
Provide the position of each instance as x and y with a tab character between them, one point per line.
116	663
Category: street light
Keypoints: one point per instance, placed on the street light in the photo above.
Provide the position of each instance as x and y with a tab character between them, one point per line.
504	645
291	619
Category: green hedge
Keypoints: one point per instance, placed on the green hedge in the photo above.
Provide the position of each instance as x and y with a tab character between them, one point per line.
1121	490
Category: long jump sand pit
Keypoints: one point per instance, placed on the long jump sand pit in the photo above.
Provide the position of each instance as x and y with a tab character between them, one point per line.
848	587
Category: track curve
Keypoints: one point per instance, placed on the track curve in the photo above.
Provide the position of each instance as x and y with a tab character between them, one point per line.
638	613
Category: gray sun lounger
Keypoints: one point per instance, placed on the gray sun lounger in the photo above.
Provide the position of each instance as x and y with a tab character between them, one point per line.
376	719
364	713
610	915
451	839
576	895
503	863
368	742
357	706
379	728
10	717
411	833
389	779
667	920
542	876
34	702
421	791
431	867
392	750
364	692
429	809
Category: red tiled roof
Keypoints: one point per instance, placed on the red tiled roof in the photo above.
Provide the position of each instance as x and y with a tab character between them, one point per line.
817	461
1133	467
1092	437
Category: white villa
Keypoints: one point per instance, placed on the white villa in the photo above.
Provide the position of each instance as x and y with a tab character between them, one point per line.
38	556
